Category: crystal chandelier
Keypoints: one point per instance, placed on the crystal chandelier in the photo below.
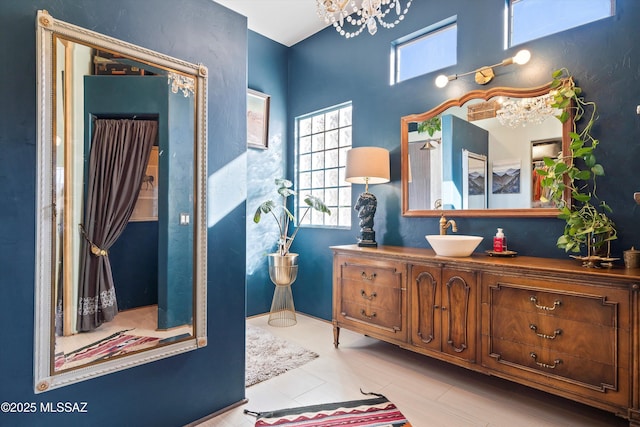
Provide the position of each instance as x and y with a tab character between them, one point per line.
521	112
181	83
367	12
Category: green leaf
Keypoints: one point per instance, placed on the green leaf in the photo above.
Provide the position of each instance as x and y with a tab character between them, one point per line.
583	175
581	197
590	160
265	207
286	192
317	204
557	73
597	170
282	182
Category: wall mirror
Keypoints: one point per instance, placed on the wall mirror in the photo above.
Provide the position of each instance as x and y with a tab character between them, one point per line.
476	155
121	225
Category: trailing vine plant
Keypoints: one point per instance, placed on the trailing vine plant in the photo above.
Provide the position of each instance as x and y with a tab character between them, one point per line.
587	223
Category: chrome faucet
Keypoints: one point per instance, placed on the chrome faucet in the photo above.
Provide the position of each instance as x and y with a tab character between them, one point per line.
444	224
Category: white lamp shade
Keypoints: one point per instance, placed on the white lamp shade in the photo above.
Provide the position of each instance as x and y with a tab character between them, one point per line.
367	165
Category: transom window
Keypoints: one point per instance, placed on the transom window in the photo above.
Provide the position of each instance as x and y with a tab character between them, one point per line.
422	52
532	19
323	139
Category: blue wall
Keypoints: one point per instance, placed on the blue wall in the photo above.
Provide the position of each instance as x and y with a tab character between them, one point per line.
327	69
267	73
179	389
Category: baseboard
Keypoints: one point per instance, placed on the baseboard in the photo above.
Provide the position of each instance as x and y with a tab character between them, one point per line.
215	414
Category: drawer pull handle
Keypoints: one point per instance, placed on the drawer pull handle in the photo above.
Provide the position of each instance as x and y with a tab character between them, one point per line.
545	365
365	277
370	297
364	314
534	328
556	303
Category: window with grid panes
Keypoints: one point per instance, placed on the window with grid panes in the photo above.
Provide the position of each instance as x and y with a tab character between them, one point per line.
322	141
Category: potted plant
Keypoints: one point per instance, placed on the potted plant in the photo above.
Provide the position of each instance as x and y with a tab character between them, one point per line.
575	172
283	265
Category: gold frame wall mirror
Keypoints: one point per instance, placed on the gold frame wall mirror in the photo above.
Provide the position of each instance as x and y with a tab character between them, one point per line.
153	108
513	129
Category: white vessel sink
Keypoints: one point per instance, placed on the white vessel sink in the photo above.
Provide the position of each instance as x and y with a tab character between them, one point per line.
453	245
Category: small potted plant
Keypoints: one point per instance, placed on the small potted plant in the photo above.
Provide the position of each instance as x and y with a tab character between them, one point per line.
587	223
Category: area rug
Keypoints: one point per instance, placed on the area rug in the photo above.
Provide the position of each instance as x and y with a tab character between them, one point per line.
268	356
373	412
113	345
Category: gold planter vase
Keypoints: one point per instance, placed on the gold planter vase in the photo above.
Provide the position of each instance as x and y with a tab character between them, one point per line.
283	270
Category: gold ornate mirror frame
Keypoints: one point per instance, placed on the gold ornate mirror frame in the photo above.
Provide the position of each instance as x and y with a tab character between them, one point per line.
459	102
48	30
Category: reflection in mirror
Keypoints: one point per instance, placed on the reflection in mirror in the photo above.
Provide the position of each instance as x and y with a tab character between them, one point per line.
502	124
121	273
474	180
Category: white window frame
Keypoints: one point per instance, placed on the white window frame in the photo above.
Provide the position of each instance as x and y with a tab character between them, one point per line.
320	161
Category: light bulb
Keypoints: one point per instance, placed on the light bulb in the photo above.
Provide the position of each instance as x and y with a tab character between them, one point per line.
522	57
442	81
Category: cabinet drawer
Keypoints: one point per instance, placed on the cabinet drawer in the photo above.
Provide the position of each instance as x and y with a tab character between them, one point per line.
388	320
583	340
375	295
592	309
585	372
387	275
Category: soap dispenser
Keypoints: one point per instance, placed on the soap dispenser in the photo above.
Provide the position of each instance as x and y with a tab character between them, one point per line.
499	241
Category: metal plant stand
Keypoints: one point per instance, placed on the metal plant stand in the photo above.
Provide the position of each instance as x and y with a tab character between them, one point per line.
283	271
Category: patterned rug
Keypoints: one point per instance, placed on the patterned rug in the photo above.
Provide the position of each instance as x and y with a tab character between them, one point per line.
269	356
375	412
113	345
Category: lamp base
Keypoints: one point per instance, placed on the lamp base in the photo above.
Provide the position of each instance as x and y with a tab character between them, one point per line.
367	238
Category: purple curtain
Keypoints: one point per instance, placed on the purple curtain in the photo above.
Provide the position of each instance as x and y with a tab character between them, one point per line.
118	158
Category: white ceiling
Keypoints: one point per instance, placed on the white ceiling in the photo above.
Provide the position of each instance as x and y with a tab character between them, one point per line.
285	21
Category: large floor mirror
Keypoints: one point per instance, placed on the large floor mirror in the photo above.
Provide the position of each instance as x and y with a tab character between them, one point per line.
121	224
477	155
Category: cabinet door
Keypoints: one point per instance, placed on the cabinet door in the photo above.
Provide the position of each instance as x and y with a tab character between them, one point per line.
459	304
425	306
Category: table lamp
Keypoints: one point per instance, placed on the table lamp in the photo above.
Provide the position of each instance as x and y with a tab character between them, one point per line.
367	165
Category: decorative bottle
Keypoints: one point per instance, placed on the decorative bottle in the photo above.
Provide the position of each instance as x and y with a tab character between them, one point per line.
499	241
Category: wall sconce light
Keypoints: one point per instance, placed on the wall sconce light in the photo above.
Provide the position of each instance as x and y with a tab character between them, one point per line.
367	165
484	75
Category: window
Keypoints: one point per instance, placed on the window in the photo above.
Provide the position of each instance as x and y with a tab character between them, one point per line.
532	19
428	50
322	141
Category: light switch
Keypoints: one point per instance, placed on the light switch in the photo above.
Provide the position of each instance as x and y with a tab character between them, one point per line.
184	218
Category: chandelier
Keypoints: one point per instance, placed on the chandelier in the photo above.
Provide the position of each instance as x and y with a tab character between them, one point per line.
521	112
181	83
360	13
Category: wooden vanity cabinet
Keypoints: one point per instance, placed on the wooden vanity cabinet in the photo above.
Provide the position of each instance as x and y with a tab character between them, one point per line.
443	310
545	323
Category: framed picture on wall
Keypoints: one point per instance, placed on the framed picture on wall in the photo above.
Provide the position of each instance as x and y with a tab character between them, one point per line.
146	208
257	119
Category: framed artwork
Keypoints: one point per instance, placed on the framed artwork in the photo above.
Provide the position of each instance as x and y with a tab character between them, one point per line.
257	119
146	208
506	176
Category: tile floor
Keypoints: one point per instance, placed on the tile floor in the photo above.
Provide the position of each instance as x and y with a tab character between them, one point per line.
429	392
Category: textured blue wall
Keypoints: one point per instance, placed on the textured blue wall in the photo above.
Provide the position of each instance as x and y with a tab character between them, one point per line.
326	70
179	389
267	73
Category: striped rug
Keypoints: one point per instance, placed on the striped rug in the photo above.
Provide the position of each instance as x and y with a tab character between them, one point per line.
356	413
